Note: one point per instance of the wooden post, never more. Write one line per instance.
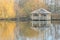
(32, 20)
(39, 20)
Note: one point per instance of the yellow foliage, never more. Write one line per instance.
(35, 4)
(7, 8)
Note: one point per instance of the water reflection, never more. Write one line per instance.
(11, 30)
(7, 30)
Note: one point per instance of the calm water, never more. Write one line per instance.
(10, 30)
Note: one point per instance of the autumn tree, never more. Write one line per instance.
(28, 6)
(7, 8)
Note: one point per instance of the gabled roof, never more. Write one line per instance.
(41, 10)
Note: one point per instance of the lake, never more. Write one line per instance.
(16, 30)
